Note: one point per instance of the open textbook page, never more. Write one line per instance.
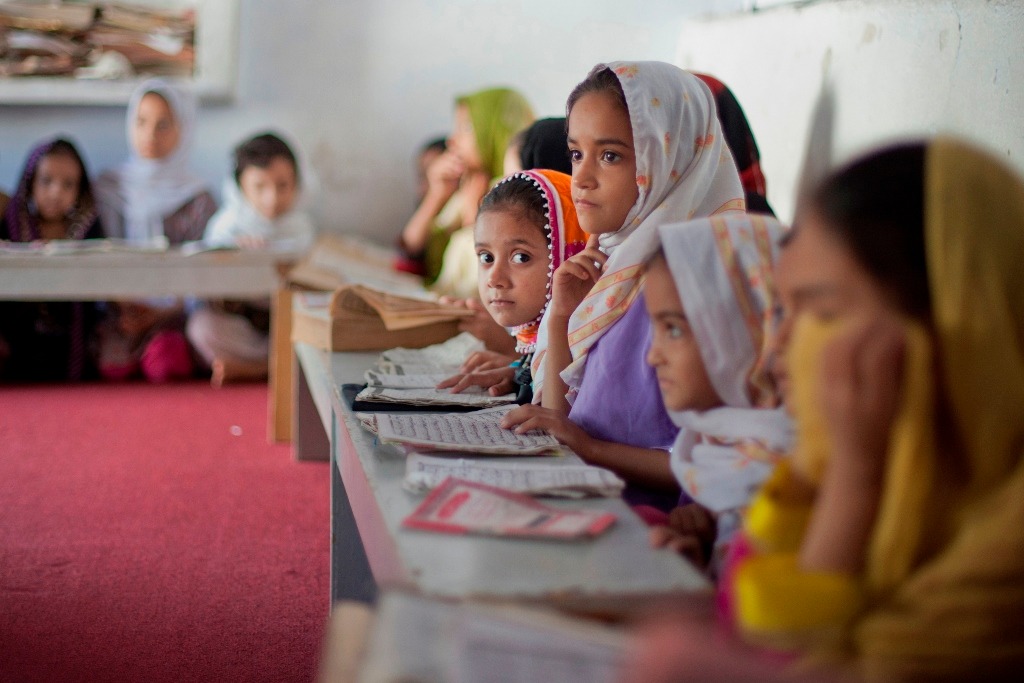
(480, 433)
(416, 638)
(565, 478)
(465, 507)
(433, 397)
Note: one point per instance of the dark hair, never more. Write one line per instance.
(600, 79)
(544, 145)
(62, 147)
(875, 205)
(439, 144)
(260, 151)
(519, 194)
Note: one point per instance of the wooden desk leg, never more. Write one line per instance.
(351, 578)
(309, 439)
(280, 379)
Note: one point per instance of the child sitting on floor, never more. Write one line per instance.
(525, 229)
(53, 201)
(152, 199)
(261, 210)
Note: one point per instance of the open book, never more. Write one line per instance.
(337, 260)
(359, 318)
(479, 433)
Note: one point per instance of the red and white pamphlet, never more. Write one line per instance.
(458, 506)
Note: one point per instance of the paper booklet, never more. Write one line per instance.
(480, 433)
(415, 638)
(561, 479)
(473, 397)
(376, 378)
(465, 507)
(447, 354)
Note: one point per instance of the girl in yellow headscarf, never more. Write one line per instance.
(484, 123)
(894, 540)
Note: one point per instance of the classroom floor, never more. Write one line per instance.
(151, 533)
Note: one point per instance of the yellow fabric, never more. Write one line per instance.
(943, 585)
(959, 610)
(774, 597)
(777, 516)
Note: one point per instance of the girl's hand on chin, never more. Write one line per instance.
(575, 278)
(862, 371)
(444, 173)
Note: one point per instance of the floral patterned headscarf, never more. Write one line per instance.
(684, 170)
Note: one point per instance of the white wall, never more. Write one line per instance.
(830, 79)
(360, 85)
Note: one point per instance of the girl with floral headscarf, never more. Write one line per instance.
(711, 297)
(647, 149)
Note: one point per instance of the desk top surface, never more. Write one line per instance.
(619, 564)
(99, 275)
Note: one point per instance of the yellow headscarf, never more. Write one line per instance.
(942, 593)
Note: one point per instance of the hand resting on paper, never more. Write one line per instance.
(636, 464)
(496, 382)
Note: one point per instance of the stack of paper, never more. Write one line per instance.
(417, 638)
(472, 398)
(401, 380)
(480, 433)
(409, 377)
(529, 476)
(443, 358)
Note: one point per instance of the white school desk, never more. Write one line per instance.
(101, 276)
(125, 274)
(370, 549)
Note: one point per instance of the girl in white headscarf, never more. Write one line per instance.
(710, 295)
(646, 148)
(152, 199)
(154, 196)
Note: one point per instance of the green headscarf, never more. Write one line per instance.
(497, 114)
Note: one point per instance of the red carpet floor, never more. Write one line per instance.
(151, 534)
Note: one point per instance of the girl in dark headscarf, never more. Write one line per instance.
(48, 340)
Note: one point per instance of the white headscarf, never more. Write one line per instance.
(722, 268)
(237, 217)
(684, 169)
(135, 198)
